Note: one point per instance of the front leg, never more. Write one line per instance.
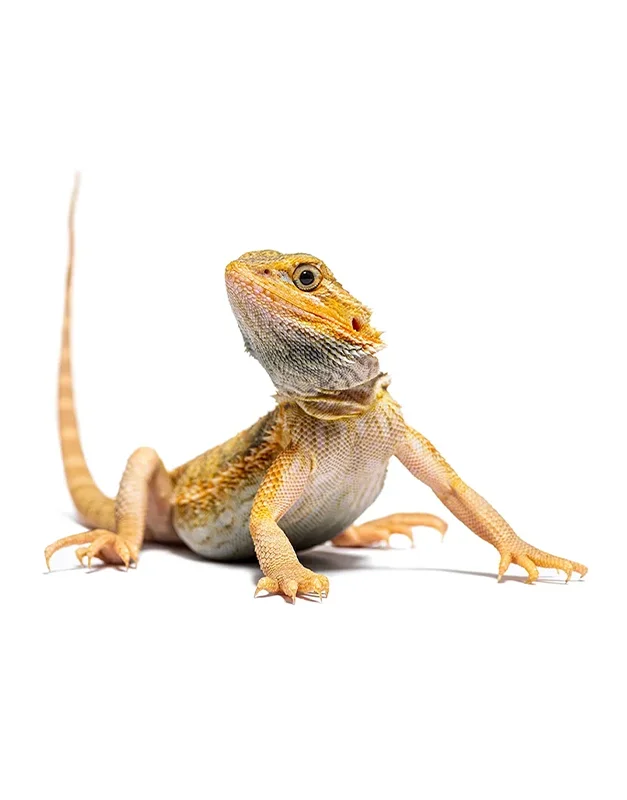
(282, 486)
(423, 460)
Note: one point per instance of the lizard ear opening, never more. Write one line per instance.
(357, 324)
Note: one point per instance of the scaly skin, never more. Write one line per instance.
(302, 474)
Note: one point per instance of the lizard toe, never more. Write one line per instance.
(530, 558)
(299, 581)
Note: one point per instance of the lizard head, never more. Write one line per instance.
(297, 320)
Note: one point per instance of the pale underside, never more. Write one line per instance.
(214, 493)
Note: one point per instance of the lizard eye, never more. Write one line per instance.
(307, 277)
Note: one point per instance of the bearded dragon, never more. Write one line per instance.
(303, 473)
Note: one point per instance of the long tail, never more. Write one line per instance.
(95, 509)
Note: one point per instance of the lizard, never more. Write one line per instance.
(303, 473)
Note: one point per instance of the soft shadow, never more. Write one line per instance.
(287, 600)
(99, 567)
(73, 517)
(324, 558)
(330, 559)
(176, 548)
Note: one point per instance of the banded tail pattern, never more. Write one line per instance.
(95, 509)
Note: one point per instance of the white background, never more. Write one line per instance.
(462, 169)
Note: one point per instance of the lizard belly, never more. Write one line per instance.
(332, 500)
(350, 458)
(225, 536)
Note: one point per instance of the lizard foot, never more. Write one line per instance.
(530, 558)
(105, 545)
(380, 530)
(293, 581)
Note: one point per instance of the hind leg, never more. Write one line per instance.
(380, 530)
(143, 501)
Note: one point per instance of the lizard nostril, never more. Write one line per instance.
(266, 272)
(356, 324)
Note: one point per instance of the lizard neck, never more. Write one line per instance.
(318, 369)
(342, 403)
